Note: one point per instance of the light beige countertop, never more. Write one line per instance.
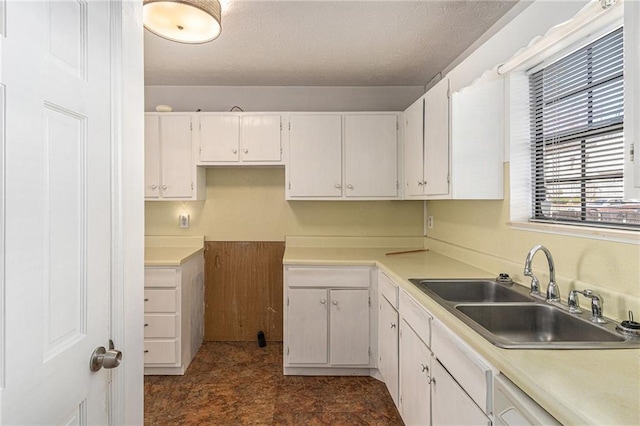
(171, 251)
(600, 387)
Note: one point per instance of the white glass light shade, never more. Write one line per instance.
(184, 21)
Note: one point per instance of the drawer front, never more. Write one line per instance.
(328, 277)
(161, 352)
(160, 277)
(160, 300)
(416, 316)
(388, 289)
(160, 326)
(471, 372)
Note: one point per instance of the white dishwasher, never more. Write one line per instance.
(513, 407)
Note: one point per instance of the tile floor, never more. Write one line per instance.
(238, 383)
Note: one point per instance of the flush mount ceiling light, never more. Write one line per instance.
(184, 21)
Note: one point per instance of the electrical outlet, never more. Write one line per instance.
(430, 222)
(183, 220)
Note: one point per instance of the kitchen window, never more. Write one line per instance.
(577, 141)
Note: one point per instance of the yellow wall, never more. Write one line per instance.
(478, 232)
(248, 204)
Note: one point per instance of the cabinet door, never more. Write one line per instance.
(151, 156)
(436, 139)
(414, 149)
(261, 138)
(388, 347)
(415, 391)
(315, 156)
(371, 155)
(307, 326)
(349, 327)
(219, 137)
(451, 405)
(176, 164)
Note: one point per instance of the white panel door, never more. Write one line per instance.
(371, 155)
(436, 139)
(349, 327)
(451, 405)
(307, 311)
(57, 248)
(388, 347)
(151, 156)
(219, 138)
(177, 165)
(415, 391)
(414, 149)
(315, 156)
(261, 138)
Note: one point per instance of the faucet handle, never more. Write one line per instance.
(597, 303)
(572, 301)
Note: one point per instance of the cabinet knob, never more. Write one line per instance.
(146, 299)
(154, 186)
(246, 151)
(424, 368)
(350, 186)
(146, 325)
(323, 301)
(164, 186)
(424, 182)
(335, 302)
(393, 325)
(431, 380)
(338, 185)
(146, 351)
(235, 151)
(420, 183)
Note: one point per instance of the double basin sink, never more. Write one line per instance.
(508, 317)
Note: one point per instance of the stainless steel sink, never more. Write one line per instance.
(472, 291)
(508, 317)
(536, 325)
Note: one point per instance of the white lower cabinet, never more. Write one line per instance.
(415, 388)
(173, 316)
(388, 329)
(327, 318)
(450, 403)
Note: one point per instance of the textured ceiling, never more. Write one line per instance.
(325, 43)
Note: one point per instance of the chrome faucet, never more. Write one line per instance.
(597, 303)
(553, 293)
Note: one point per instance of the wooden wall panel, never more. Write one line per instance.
(243, 290)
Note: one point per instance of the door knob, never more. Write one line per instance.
(102, 357)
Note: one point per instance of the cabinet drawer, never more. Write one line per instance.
(160, 277)
(388, 289)
(328, 277)
(160, 325)
(160, 300)
(472, 373)
(416, 317)
(161, 352)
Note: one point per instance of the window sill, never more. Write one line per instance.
(603, 234)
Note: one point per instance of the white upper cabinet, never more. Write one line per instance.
(238, 138)
(436, 139)
(371, 155)
(170, 171)
(426, 145)
(343, 156)
(477, 139)
(315, 156)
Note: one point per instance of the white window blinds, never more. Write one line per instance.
(577, 119)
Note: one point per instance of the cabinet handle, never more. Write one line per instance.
(424, 368)
(350, 186)
(323, 301)
(235, 151)
(338, 185)
(335, 302)
(146, 351)
(146, 299)
(154, 186)
(393, 325)
(146, 325)
(246, 151)
(164, 186)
